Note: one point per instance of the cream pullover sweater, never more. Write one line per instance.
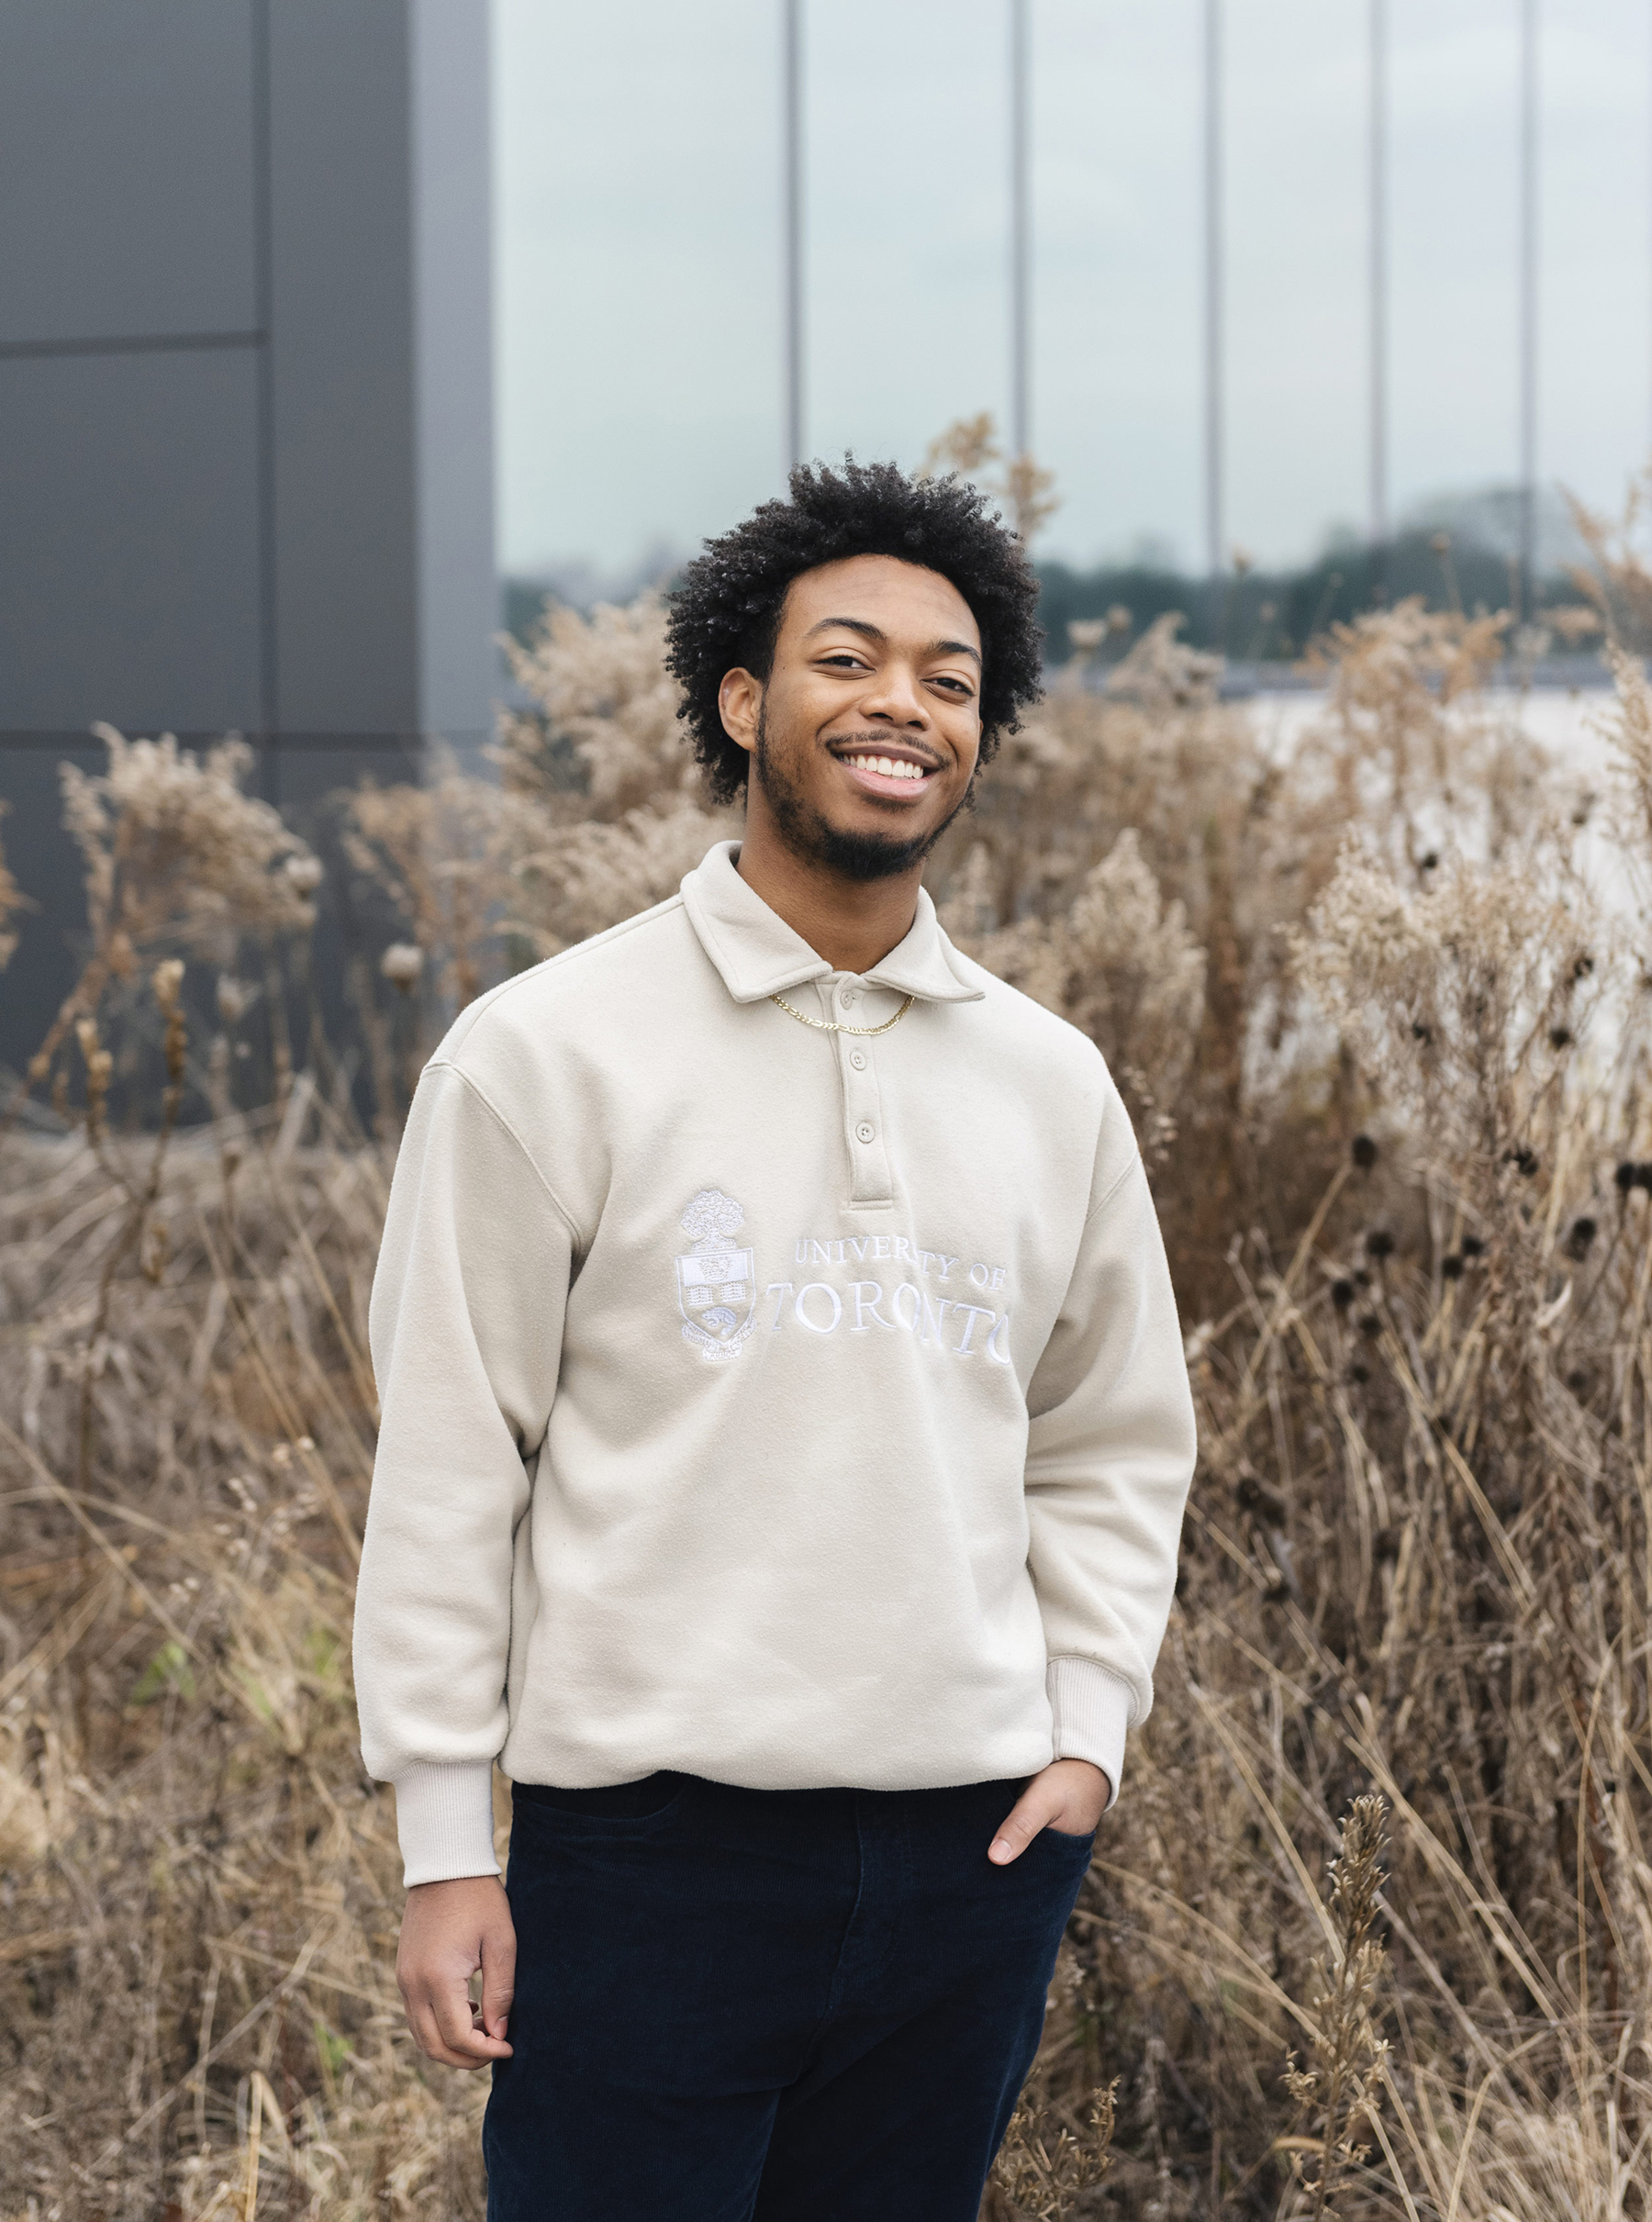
(789, 1407)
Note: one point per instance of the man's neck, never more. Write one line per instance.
(853, 923)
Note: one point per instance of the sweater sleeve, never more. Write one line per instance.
(1110, 1456)
(466, 1325)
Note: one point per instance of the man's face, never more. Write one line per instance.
(865, 737)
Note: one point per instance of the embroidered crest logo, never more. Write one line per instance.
(716, 1282)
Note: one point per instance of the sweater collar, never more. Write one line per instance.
(758, 954)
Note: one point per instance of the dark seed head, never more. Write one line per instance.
(1422, 1033)
(1360, 1374)
(1342, 1294)
(1577, 1381)
(1379, 1242)
(1451, 1267)
(1362, 1280)
(1473, 1246)
(1583, 1232)
(1583, 967)
(1523, 1159)
(1370, 1325)
(1365, 1152)
(1430, 863)
(1625, 1176)
(1559, 1037)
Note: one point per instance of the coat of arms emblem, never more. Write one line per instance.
(716, 1282)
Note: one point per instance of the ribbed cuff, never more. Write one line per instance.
(1089, 1710)
(444, 1818)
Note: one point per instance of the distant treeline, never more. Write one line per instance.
(1259, 615)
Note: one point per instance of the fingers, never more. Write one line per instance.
(467, 2046)
(1032, 1810)
(498, 1978)
(426, 2036)
(444, 2030)
(1068, 1795)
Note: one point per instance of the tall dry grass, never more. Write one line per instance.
(1369, 1932)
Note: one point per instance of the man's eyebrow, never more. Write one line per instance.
(869, 631)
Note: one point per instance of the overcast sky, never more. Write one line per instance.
(638, 168)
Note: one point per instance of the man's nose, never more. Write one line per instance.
(895, 695)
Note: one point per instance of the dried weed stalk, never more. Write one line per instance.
(1341, 2088)
(1044, 2162)
(970, 447)
(1616, 580)
(12, 901)
(174, 853)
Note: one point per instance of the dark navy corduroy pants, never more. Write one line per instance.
(761, 2005)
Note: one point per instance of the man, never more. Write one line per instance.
(784, 1441)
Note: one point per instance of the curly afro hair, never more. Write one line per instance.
(726, 614)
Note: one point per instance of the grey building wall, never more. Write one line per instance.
(246, 466)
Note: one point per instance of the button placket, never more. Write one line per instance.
(870, 1180)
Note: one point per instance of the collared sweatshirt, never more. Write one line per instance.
(792, 1407)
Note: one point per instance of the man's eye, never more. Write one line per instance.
(845, 658)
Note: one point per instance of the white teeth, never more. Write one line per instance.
(891, 767)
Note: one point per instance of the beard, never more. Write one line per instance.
(812, 837)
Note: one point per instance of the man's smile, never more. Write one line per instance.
(892, 770)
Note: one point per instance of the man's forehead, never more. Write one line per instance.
(876, 588)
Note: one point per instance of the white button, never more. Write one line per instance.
(864, 1132)
(847, 998)
(857, 1058)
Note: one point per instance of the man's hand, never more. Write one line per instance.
(1070, 1795)
(448, 1931)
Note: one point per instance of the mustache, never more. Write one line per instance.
(877, 744)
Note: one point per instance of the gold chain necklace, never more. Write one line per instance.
(834, 1025)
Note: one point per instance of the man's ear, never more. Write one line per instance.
(740, 703)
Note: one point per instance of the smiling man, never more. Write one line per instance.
(784, 1447)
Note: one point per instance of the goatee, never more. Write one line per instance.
(810, 836)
